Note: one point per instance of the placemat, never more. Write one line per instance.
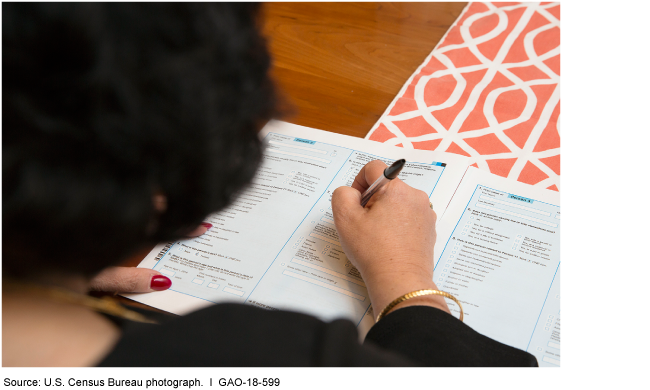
(490, 90)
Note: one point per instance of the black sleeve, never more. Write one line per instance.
(435, 338)
(231, 335)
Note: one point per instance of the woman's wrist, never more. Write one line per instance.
(435, 301)
(384, 290)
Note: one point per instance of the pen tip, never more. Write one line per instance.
(394, 170)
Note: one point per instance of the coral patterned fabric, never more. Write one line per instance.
(490, 90)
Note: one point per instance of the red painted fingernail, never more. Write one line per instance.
(207, 225)
(160, 283)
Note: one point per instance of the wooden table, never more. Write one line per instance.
(339, 65)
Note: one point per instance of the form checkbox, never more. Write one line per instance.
(167, 272)
(551, 360)
(233, 291)
(198, 281)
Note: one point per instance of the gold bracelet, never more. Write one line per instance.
(418, 293)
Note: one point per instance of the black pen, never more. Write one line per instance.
(389, 174)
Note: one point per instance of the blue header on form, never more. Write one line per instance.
(304, 141)
(520, 198)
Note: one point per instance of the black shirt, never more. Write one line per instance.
(245, 336)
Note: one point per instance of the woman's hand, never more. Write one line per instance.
(136, 280)
(391, 240)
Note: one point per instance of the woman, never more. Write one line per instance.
(125, 125)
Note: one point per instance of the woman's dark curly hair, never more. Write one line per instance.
(105, 105)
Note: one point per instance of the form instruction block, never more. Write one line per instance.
(323, 284)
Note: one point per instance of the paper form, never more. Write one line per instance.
(276, 246)
(498, 253)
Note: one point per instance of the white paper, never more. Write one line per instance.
(276, 246)
(498, 253)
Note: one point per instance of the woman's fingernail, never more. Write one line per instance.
(159, 283)
(207, 225)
